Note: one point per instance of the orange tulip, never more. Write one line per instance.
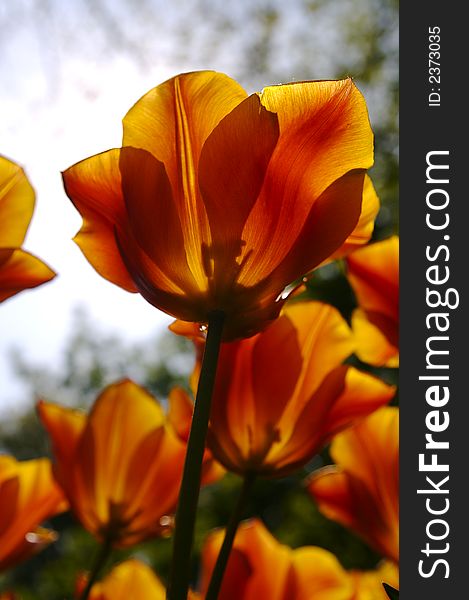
(28, 496)
(120, 467)
(260, 567)
(131, 579)
(281, 395)
(366, 223)
(218, 200)
(362, 491)
(373, 272)
(19, 270)
(369, 584)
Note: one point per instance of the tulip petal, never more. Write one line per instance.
(316, 573)
(123, 413)
(122, 466)
(10, 490)
(29, 496)
(152, 123)
(330, 487)
(364, 228)
(324, 134)
(172, 122)
(238, 570)
(149, 471)
(344, 396)
(260, 567)
(94, 186)
(363, 491)
(372, 345)
(129, 579)
(241, 144)
(17, 201)
(20, 270)
(373, 272)
(180, 409)
(363, 394)
(325, 339)
(268, 563)
(264, 384)
(330, 221)
(149, 202)
(64, 426)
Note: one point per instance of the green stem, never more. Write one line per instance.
(101, 558)
(230, 533)
(190, 485)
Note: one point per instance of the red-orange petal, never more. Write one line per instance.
(29, 496)
(20, 270)
(172, 122)
(94, 186)
(365, 226)
(363, 491)
(242, 143)
(257, 568)
(264, 383)
(316, 573)
(373, 272)
(344, 396)
(326, 120)
(149, 202)
(373, 346)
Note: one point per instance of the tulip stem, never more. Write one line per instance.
(101, 559)
(230, 533)
(189, 493)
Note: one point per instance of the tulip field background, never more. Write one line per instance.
(68, 74)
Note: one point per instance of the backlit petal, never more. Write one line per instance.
(16, 204)
(149, 202)
(324, 134)
(373, 272)
(172, 122)
(372, 345)
(241, 144)
(20, 270)
(344, 396)
(266, 416)
(120, 466)
(129, 579)
(317, 574)
(29, 496)
(123, 414)
(364, 228)
(363, 491)
(155, 123)
(258, 567)
(94, 186)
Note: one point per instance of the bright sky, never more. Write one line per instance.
(46, 135)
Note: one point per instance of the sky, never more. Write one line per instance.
(45, 134)
(69, 73)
